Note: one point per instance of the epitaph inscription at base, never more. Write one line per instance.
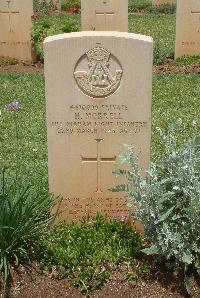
(15, 28)
(98, 98)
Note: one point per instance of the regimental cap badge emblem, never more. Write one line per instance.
(103, 75)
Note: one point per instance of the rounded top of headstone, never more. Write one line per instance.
(134, 36)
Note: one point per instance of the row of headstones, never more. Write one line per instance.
(57, 3)
(15, 24)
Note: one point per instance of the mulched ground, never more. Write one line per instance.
(23, 68)
(165, 68)
(162, 284)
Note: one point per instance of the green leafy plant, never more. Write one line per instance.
(45, 26)
(187, 60)
(133, 5)
(163, 8)
(24, 214)
(161, 53)
(167, 200)
(88, 251)
(68, 4)
(139, 5)
(42, 6)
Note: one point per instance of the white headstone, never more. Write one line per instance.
(15, 28)
(98, 97)
(187, 28)
(104, 15)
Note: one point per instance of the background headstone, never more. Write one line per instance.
(187, 28)
(159, 2)
(98, 97)
(104, 15)
(56, 3)
(15, 28)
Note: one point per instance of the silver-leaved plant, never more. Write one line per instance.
(167, 200)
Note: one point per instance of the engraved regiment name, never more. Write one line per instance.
(99, 81)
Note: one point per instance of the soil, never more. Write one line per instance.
(162, 284)
(23, 68)
(166, 68)
(39, 68)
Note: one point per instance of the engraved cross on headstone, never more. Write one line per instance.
(99, 160)
(105, 14)
(195, 12)
(10, 13)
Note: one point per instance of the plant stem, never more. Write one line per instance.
(16, 145)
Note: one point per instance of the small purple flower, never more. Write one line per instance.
(123, 218)
(12, 106)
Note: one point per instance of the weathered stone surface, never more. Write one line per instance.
(104, 15)
(15, 28)
(187, 28)
(98, 97)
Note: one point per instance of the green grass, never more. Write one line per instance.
(66, 4)
(161, 28)
(24, 217)
(51, 25)
(90, 251)
(133, 5)
(28, 89)
(162, 8)
(187, 60)
(139, 5)
(174, 96)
